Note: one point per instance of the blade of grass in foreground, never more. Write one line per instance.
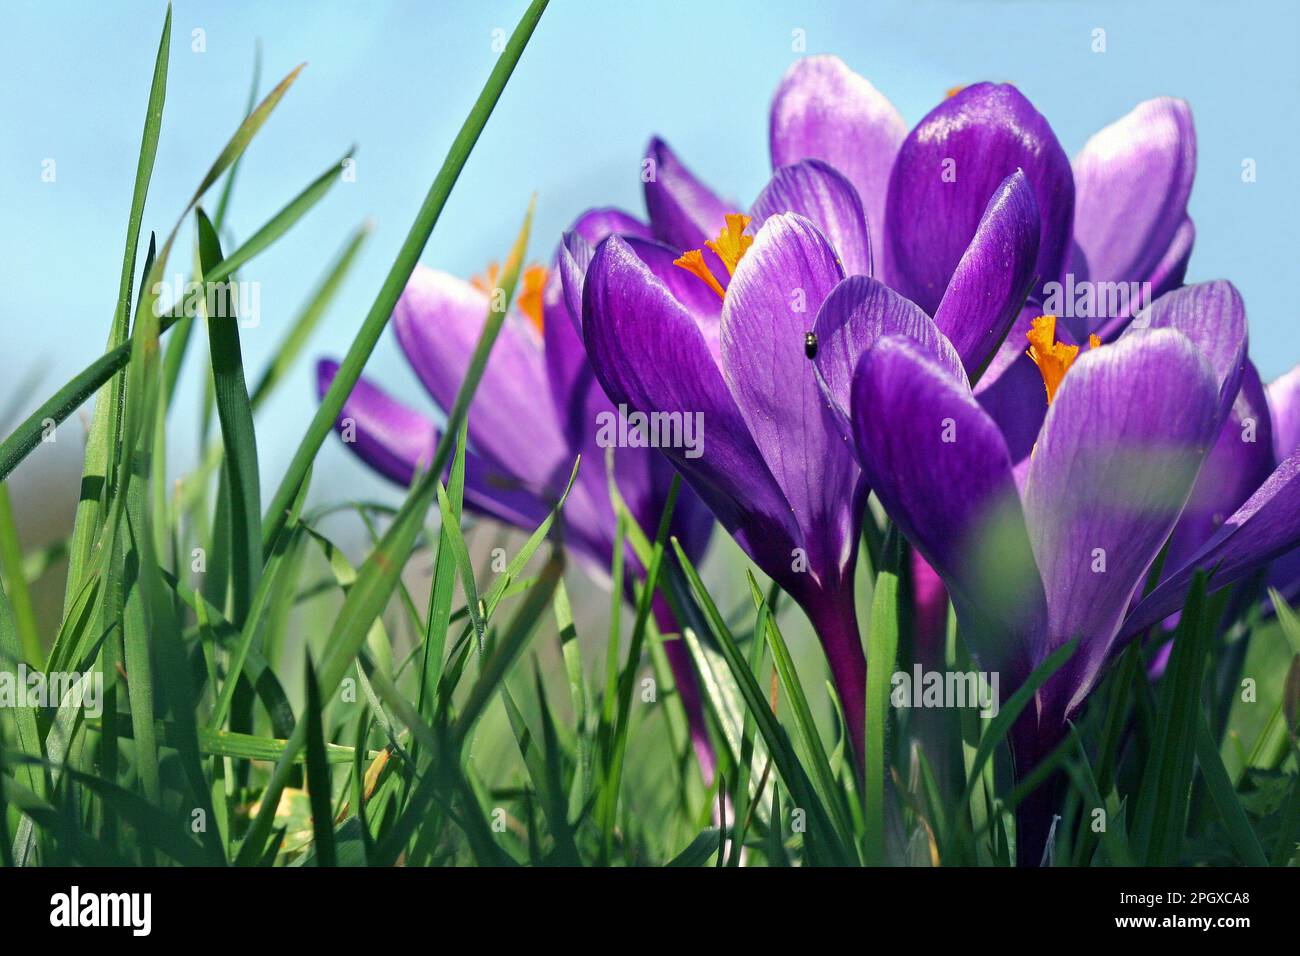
(103, 431)
(828, 843)
(236, 417)
(377, 318)
(318, 775)
(882, 649)
(11, 559)
(1161, 816)
(378, 576)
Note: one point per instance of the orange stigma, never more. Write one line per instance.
(730, 246)
(530, 296)
(693, 262)
(530, 299)
(732, 243)
(1053, 358)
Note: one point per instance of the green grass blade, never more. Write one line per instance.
(838, 846)
(1215, 775)
(236, 417)
(11, 560)
(377, 318)
(103, 432)
(1161, 815)
(378, 575)
(1000, 725)
(882, 651)
(804, 724)
(318, 775)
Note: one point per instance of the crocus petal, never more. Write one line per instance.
(1132, 182)
(858, 313)
(788, 271)
(1213, 317)
(565, 355)
(940, 469)
(822, 194)
(397, 441)
(1167, 276)
(387, 435)
(1011, 388)
(1115, 461)
(1267, 526)
(683, 211)
(994, 275)
(1284, 409)
(823, 110)
(1241, 461)
(946, 171)
(650, 355)
(438, 321)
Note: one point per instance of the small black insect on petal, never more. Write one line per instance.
(810, 344)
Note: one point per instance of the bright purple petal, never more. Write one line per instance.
(939, 466)
(823, 110)
(438, 321)
(683, 211)
(651, 356)
(770, 306)
(1116, 459)
(1213, 317)
(1241, 461)
(994, 275)
(1284, 408)
(822, 194)
(1266, 527)
(946, 171)
(1132, 182)
(397, 441)
(858, 313)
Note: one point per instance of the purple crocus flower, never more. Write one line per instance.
(536, 409)
(1114, 220)
(723, 327)
(1060, 551)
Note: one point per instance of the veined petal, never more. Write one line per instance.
(858, 313)
(1132, 182)
(946, 171)
(770, 306)
(1011, 388)
(1118, 454)
(995, 273)
(1266, 527)
(1167, 276)
(1240, 461)
(1213, 317)
(396, 441)
(823, 110)
(651, 356)
(1284, 408)
(683, 211)
(438, 321)
(389, 436)
(939, 466)
(822, 194)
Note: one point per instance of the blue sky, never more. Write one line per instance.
(397, 79)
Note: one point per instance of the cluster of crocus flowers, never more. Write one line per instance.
(878, 321)
(533, 415)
